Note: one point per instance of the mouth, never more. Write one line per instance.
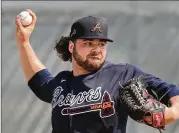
(95, 57)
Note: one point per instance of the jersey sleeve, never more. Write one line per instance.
(42, 85)
(162, 89)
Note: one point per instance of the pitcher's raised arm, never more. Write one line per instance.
(28, 59)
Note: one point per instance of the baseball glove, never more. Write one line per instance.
(140, 105)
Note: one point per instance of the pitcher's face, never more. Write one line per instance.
(90, 54)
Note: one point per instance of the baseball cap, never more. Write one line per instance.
(90, 27)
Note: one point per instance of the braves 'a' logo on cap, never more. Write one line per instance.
(97, 28)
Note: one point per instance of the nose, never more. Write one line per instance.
(96, 49)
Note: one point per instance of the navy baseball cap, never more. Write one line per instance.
(90, 28)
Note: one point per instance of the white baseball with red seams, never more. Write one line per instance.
(25, 17)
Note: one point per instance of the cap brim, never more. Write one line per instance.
(95, 37)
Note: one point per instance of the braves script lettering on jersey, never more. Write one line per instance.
(70, 99)
(90, 103)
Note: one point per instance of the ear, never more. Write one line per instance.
(71, 46)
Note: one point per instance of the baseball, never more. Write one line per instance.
(25, 17)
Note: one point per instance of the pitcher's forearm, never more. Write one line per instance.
(175, 105)
(172, 113)
(29, 61)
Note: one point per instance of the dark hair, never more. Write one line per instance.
(61, 47)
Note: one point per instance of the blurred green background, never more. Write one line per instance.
(145, 34)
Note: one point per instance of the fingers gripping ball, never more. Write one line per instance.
(25, 18)
(139, 104)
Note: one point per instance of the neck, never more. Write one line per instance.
(77, 70)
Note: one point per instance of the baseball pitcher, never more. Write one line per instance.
(96, 96)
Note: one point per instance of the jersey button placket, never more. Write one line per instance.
(70, 116)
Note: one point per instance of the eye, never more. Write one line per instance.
(88, 44)
(102, 44)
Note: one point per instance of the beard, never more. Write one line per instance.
(91, 63)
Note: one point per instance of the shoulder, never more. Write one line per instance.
(120, 67)
(125, 70)
(63, 74)
(115, 67)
